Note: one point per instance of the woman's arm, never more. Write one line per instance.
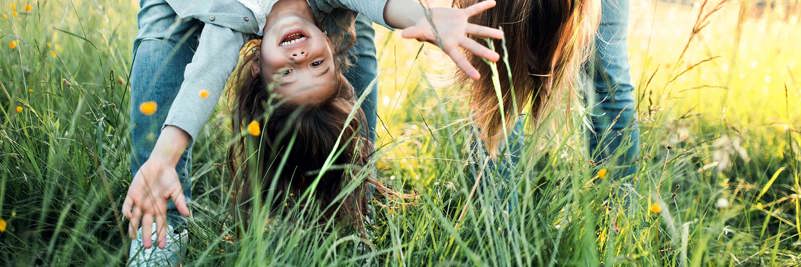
(450, 29)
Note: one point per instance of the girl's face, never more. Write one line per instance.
(297, 57)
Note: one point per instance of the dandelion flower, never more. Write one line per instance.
(3, 225)
(148, 108)
(53, 53)
(204, 93)
(254, 129)
(19, 109)
(28, 8)
(602, 173)
(12, 44)
(655, 208)
(722, 203)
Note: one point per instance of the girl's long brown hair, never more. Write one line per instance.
(305, 135)
(546, 42)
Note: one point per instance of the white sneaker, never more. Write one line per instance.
(171, 255)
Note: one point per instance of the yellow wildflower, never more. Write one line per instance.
(655, 208)
(3, 225)
(13, 8)
(204, 93)
(12, 44)
(148, 108)
(19, 109)
(602, 173)
(53, 53)
(28, 8)
(254, 129)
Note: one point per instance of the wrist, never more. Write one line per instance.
(170, 145)
(400, 14)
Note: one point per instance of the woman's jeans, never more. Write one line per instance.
(165, 45)
(612, 103)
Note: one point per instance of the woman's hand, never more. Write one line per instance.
(153, 185)
(450, 32)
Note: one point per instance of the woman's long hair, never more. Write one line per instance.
(546, 42)
(302, 135)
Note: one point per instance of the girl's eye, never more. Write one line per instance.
(317, 63)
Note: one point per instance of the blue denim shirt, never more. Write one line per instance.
(228, 25)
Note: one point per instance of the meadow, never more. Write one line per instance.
(719, 181)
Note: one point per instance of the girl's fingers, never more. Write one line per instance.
(479, 7)
(147, 230)
(180, 202)
(126, 207)
(484, 32)
(161, 224)
(479, 50)
(462, 62)
(135, 219)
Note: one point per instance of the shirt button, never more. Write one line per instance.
(212, 18)
(246, 19)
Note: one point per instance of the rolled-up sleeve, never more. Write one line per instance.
(215, 58)
(372, 9)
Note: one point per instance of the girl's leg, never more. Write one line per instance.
(362, 75)
(162, 49)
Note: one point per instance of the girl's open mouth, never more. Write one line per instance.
(293, 38)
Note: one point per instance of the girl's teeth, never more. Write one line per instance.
(284, 43)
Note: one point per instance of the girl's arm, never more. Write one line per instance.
(156, 181)
(450, 29)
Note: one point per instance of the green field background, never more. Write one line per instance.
(719, 182)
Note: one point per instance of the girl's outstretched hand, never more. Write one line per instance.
(450, 32)
(154, 184)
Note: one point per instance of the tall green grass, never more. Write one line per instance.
(64, 158)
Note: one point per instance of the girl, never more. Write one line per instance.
(301, 67)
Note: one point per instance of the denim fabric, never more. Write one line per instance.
(362, 75)
(498, 174)
(162, 49)
(614, 120)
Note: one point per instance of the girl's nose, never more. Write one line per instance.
(298, 55)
